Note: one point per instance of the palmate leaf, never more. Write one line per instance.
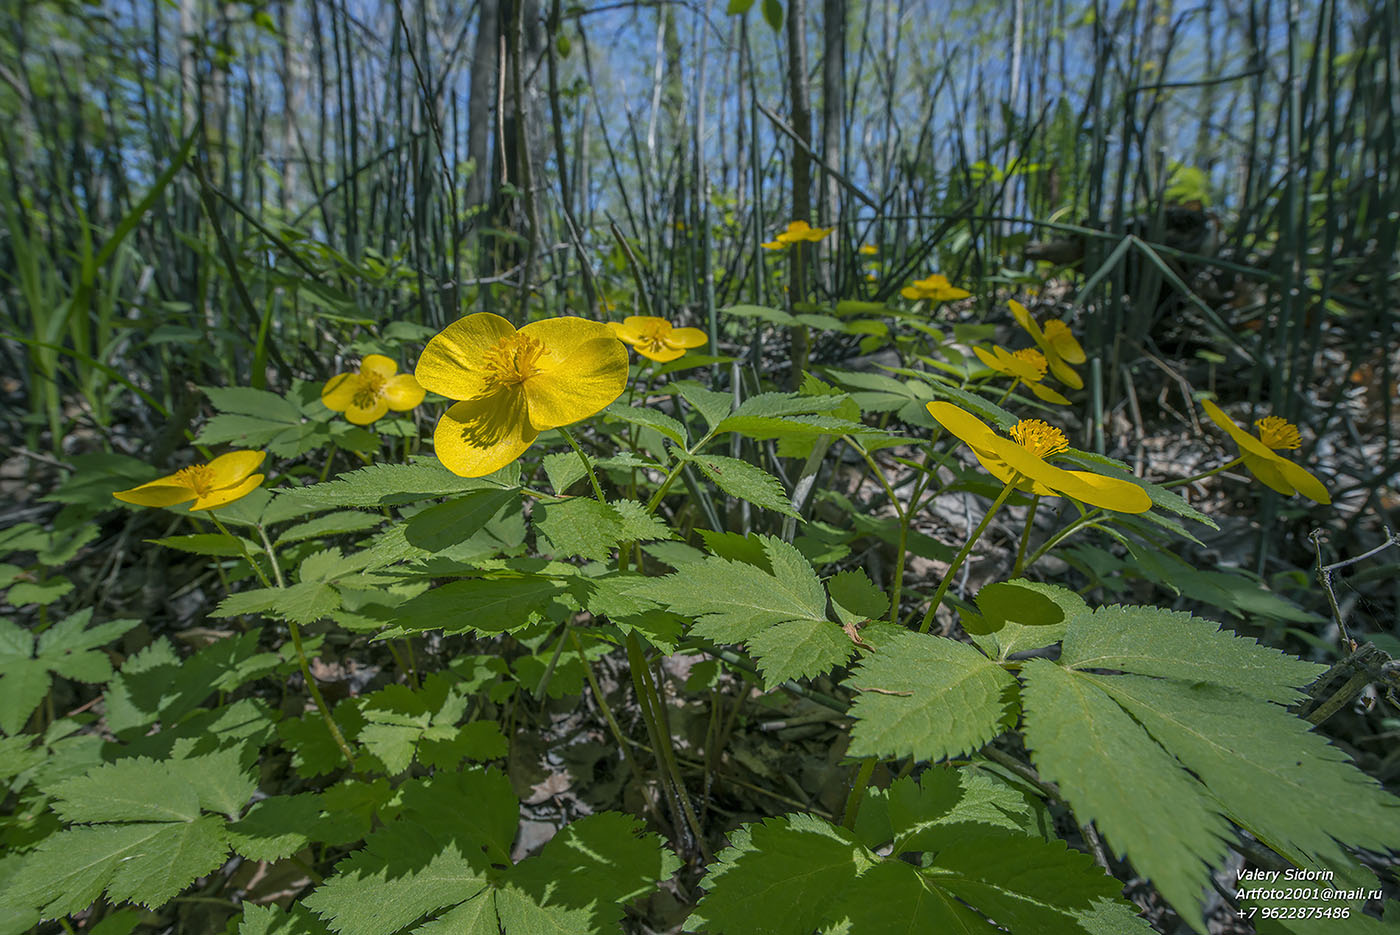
(447, 852)
(797, 874)
(927, 697)
(780, 616)
(1160, 763)
(68, 649)
(148, 841)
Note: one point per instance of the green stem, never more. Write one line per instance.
(650, 704)
(613, 726)
(1088, 519)
(962, 556)
(587, 464)
(857, 793)
(1025, 537)
(1204, 474)
(247, 557)
(302, 661)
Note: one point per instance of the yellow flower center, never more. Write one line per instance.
(369, 386)
(513, 360)
(1038, 437)
(1277, 432)
(653, 336)
(197, 477)
(1029, 355)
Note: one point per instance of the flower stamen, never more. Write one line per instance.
(1277, 432)
(513, 360)
(1038, 437)
(197, 477)
(1030, 355)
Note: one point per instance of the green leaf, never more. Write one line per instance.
(651, 418)
(927, 815)
(737, 602)
(564, 469)
(68, 648)
(486, 605)
(446, 524)
(739, 8)
(277, 827)
(332, 524)
(927, 697)
(144, 863)
(129, 790)
(712, 406)
(1171, 644)
(1027, 603)
(245, 400)
(761, 312)
(270, 920)
(388, 484)
(579, 526)
(856, 598)
(746, 482)
(207, 543)
(1270, 773)
(1114, 774)
(778, 876)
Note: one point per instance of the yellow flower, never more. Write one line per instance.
(935, 288)
(654, 338)
(796, 232)
(1275, 471)
(373, 390)
(1025, 366)
(1055, 342)
(515, 384)
(1020, 460)
(868, 249)
(221, 481)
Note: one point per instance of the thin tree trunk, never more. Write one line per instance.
(801, 117)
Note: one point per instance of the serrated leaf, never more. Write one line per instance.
(855, 597)
(245, 400)
(143, 863)
(800, 649)
(388, 484)
(650, 418)
(564, 469)
(446, 524)
(136, 789)
(270, 920)
(1171, 644)
(332, 524)
(927, 697)
(638, 525)
(778, 876)
(894, 897)
(487, 605)
(276, 827)
(712, 406)
(919, 816)
(1270, 773)
(579, 526)
(214, 544)
(220, 780)
(1114, 774)
(746, 482)
(401, 875)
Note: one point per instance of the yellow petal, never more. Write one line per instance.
(1308, 485)
(909, 292)
(229, 469)
(585, 382)
(638, 328)
(227, 494)
(1014, 366)
(1047, 394)
(1006, 474)
(156, 493)
(1110, 493)
(989, 359)
(968, 428)
(1024, 319)
(364, 415)
(1062, 371)
(953, 292)
(451, 364)
(478, 436)
(378, 365)
(1266, 469)
(403, 392)
(687, 337)
(339, 391)
(562, 337)
(1059, 336)
(1249, 445)
(773, 245)
(868, 249)
(661, 354)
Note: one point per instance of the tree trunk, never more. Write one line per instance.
(801, 117)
